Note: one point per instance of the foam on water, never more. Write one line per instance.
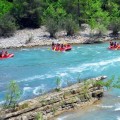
(117, 109)
(25, 49)
(40, 77)
(94, 65)
(2, 102)
(62, 118)
(62, 74)
(43, 50)
(35, 90)
(118, 117)
(105, 106)
(39, 90)
(26, 90)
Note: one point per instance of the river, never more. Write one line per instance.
(36, 71)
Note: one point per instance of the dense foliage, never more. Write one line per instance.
(56, 15)
(7, 25)
(5, 7)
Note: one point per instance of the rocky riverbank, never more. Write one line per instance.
(51, 104)
(39, 37)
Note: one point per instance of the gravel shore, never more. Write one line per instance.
(39, 37)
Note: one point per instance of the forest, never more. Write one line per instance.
(57, 15)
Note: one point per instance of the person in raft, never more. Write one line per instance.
(114, 45)
(111, 43)
(53, 44)
(6, 54)
(3, 54)
(59, 47)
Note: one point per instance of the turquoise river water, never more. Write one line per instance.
(36, 70)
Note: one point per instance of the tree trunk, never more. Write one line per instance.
(52, 35)
(70, 33)
(79, 13)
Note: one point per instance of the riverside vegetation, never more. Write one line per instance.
(56, 102)
(57, 15)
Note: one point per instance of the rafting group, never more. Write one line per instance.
(61, 47)
(114, 46)
(5, 54)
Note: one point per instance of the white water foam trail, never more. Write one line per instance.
(117, 107)
(62, 74)
(39, 90)
(37, 77)
(105, 106)
(45, 76)
(2, 102)
(118, 118)
(35, 90)
(62, 118)
(43, 50)
(24, 50)
(83, 67)
(27, 90)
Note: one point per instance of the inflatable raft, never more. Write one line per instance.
(7, 56)
(67, 48)
(114, 48)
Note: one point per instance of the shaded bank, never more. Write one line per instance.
(55, 103)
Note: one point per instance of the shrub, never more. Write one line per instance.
(7, 26)
(39, 116)
(58, 83)
(70, 26)
(12, 96)
(52, 27)
(27, 13)
(23, 106)
(52, 17)
(115, 26)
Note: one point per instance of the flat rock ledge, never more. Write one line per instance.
(54, 103)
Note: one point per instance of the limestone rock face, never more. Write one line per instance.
(54, 103)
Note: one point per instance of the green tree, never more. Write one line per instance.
(74, 7)
(95, 16)
(7, 26)
(5, 7)
(52, 27)
(12, 96)
(27, 13)
(113, 8)
(52, 17)
(115, 18)
(70, 25)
